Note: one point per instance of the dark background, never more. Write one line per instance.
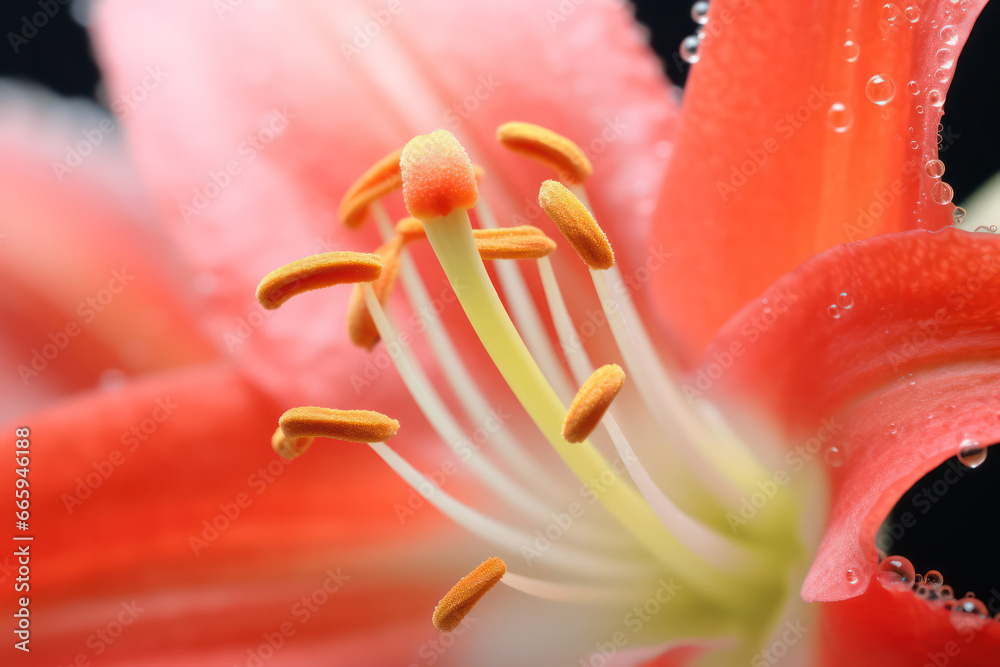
(955, 535)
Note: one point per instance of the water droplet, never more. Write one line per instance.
(839, 117)
(958, 215)
(834, 457)
(946, 592)
(912, 14)
(851, 576)
(914, 145)
(942, 193)
(934, 168)
(949, 35)
(919, 109)
(833, 311)
(942, 75)
(851, 50)
(689, 49)
(971, 454)
(845, 300)
(933, 580)
(935, 98)
(896, 572)
(890, 12)
(912, 88)
(964, 5)
(894, 429)
(699, 12)
(880, 89)
(944, 58)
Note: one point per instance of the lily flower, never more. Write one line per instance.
(732, 334)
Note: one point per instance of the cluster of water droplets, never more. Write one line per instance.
(898, 573)
(844, 302)
(690, 44)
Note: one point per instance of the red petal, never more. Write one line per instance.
(87, 287)
(901, 378)
(883, 627)
(195, 88)
(759, 181)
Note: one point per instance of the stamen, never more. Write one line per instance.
(560, 592)
(437, 176)
(349, 425)
(547, 147)
(289, 448)
(316, 271)
(381, 179)
(464, 595)
(592, 401)
(577, 224)
(523, 242)
(360, 326)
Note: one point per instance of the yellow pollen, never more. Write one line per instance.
(592, 401)
(547, 147)
(381, 179)
(437, 176)
(316, 271)
(360, 326)
(349, 425)
(524, 242)
(464, 595)
(577, 224)
(289, 448)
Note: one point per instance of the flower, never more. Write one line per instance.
(246, 150)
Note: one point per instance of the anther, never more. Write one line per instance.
(349, 425)
(577, 224)
(410, 229)
(547, 147)
(591, 402)
(437, 176)
(381, 179)
(464, 595)
(316, 271)
(360, 326)
(524, 242)
(289, 448)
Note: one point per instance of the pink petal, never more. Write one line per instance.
(760, 180)
(896, 377)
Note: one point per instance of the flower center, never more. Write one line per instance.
(626, 531)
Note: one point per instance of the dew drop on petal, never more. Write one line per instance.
(689, 49)
(933, 580)
(851, 50)
(945, 58)
(851, 576)
(833, 311)
(699, 12)
(946, 592)
(958, 215)
(935, 98)
(914, 145)
(912, 14)
(845, 300)
(912, 88)
(834, 457)
(839, 117)
(890, 12)
(942, 193)
(918, 109)
(880, 89)
(896, 572)
(971, 454)
(934, 168)
(949, 35)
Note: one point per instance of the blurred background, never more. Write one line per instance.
(953, 536)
